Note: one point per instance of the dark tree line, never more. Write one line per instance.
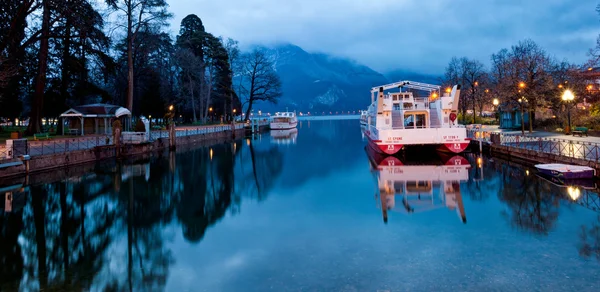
(55, 54)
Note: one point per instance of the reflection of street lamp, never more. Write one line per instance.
(574, 193)
(568, 97)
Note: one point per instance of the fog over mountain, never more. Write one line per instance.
(319, 82)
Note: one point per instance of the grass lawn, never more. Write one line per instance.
(5, 134)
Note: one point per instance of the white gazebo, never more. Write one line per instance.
(93, 118)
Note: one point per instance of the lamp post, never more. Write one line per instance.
(568, 97)
(495, 102)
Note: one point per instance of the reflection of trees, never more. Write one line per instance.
(59, 237)
(266, 166)
(11, 258)
(481, 183)
(590, 240)
(207, 192)
(69, 229)
(532, 205)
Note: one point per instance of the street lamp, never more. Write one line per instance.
(495, 102)
(171, 107)
(568, 97)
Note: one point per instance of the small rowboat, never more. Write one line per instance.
(566, 171)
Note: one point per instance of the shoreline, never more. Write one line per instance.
(61, 164)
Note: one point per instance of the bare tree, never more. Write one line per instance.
(470, 74)
(140, 14)
(261, 82)
(474, 75)
(521, 77)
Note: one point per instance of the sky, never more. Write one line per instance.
(413, 35)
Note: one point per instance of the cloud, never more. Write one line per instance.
(417, 35)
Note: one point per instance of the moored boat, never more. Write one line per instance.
(397, 120)
(566, 171)
(283, 121)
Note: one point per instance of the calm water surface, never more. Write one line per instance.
(316, 212)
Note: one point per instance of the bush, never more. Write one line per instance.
(139, 126)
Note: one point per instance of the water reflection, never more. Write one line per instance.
(287, 136)
(238, 216)
(420, 186)
(106, 229)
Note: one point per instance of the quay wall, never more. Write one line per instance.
(45, 163)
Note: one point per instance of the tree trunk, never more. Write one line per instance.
(192, 95)
(248, 110)
(474, 104)
(530, 120)
(208, 92)
(522, 121)
(65, 76)
(129, 63)
(35, 119)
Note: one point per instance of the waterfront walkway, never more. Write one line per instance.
(586, 148)
(67, 144)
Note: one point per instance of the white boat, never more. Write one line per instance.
(419, 188)
(401, 119)
(283, 120)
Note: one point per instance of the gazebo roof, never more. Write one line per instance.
(96, 110)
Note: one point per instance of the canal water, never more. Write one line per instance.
(313, 210)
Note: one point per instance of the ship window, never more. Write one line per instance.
(409, 121)
(420, 121)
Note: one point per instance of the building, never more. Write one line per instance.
(93, 118)
(510, 116)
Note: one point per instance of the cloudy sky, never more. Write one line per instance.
(415, 35)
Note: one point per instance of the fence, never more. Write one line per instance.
(45, 147)
(563, 147)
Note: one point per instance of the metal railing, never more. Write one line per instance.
(45, 147)
(568, 148)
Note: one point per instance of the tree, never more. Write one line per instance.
(260, 81)
(594, 53)
(233, 52)
(140, 15)
(37, 106)
(218, 73)
(470, 74)
(521, 77)
(190, 66)
(190, 57)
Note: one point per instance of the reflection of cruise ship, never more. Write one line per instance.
(284, 136)
(419, 188)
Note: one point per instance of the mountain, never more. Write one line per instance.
(319, 82)
(398, 75)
